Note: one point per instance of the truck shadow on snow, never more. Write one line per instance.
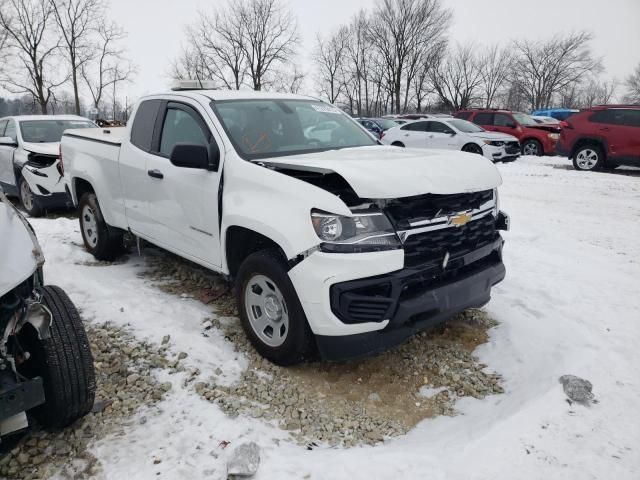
(347, 403)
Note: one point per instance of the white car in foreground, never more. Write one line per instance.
(29, 164)
(336, 244)
(454, 134)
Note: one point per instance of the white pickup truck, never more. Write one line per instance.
(337, 245)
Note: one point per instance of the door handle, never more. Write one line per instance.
(155, 173)
(406, 134)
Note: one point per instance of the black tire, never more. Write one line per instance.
(532, 147)
(398, 144)
(589, 157)
(472, 148)
(298, 343)
(108, 242)
(63, 360)
(28, 199)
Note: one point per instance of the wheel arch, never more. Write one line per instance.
(240, 242)
(80, 186)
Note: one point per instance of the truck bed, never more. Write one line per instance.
(104, 135)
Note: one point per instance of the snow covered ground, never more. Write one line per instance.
(570, 305)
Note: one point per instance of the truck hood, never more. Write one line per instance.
(504, 137)
(42, 148)
(380, 172)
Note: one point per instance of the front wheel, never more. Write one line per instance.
(28, 199)
(100, 240)
(63, 361)
(588, 157)
(532, 147)
(398, 144)
(270, 311)
(472, 148)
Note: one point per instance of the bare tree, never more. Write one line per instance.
(269, 36)
(596, 92)
(544, 68)
(32, 46)
(288, 79)
(632, 85)
(399, 29)
(217, 43)
(77, 21)
(495, 70)
(329, 57)
(457, 79)
(108, 65)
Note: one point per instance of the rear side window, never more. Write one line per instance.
(416, 126)
(602, 116)
(181, 125)
(624, 117)
(631, 118)
(463, 115)
(10, 131)
(483, 119)
(143, 123)
(3, 124)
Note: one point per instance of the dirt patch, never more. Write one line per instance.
(346, 403)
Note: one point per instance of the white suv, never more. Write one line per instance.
(335, 243)
(29, 164)
(454, 134)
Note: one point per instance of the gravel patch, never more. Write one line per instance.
(351, 403)
(125, 382)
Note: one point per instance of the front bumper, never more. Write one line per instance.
(499, 154)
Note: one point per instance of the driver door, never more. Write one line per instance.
(441, 136)
(414, 134)
(183, 202)
(7, 177)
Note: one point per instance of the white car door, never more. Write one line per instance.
(440, 135)
(7, 177)
(183, 202)
(414, 134)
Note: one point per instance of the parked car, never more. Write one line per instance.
(29, 165)
(376, 125)
(602, 136)
(534, 138)
(454, 134)
(557, 113)
(346, 246)
(543, 120)
(322, 131)
(46, 368)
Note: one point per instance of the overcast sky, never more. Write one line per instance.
(156, 28)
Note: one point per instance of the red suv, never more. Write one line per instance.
(603, 136)
(535, 138)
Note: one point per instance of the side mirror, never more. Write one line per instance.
(8, 142)
(190, 155)
(452, 133)
(213, 156)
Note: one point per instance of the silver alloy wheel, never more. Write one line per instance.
(26, 196)
(530, 148)
(89, 226)
(266, 310)
(587, 159)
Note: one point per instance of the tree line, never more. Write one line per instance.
(49, 46)
(395, 57)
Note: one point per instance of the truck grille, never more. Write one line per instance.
(432, 245)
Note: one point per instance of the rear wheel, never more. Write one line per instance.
(472, 148)
(100, 240)
(588, 157)
(28, 199)
(398, 144)
(270, 311)
(532, 147)
(63, 361)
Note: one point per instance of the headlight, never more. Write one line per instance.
(362, 232)
(494, 143)
(554, 136)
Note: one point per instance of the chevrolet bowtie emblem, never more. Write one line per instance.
(460, 219)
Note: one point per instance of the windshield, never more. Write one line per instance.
(465, 127)
(385, 124)
(273, 128)
(49, 131)
(524, 119)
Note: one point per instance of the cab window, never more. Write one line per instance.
(439, 127)
(143, 122)
(483, 119)
(503, 120)
(3, 124)
(182, 125)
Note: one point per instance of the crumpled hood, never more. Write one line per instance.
(505, 137)
(43, 148)
(379, 172)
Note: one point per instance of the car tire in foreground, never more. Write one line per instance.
(100, 240)
(532, 147)
(270, 311)
(588, 157)
(28, 199)
(63, 361)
